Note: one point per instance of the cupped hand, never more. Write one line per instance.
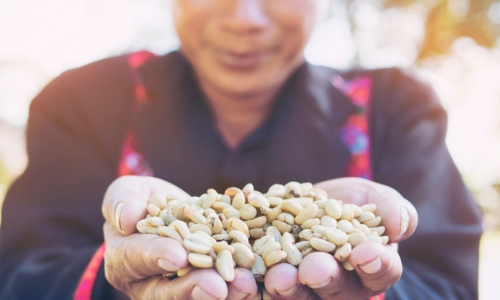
(134, 263)
(376, 267)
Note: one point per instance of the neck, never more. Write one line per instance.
(238, 116)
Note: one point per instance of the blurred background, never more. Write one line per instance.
(452, 44)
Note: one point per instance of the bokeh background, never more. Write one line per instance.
(452, 44)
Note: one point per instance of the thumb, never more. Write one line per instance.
(201, 284)
(125, 201)
(399, 216)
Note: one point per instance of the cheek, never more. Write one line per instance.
(297, 15)
(296, 20)
(191, 17)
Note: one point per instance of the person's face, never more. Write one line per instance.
(244, 47)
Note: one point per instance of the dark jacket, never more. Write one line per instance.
(51, 218)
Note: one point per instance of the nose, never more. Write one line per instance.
(245, 16)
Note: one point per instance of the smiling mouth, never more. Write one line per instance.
(241, 60)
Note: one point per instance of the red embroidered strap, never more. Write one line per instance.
(378, 297)
(135, 61)
(84, 290)
(356, 132)
(132, 162)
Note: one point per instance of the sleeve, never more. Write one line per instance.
(440, 260)
(51, 217)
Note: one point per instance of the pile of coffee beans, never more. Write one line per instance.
(246, 228)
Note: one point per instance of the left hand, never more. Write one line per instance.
(377, 266)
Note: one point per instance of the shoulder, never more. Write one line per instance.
(395, 91)
(386, 80)
(93, 102)
(103, 88)
(396, 87)
(91, 86)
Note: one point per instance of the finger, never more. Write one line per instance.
(398, 215)
(141, 256)
(125, 201)
(199, 284)
(377, 266)
(327, 279)
(243, 286)
(282, 282)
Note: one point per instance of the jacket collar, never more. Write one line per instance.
(327, 100)
(164, 79)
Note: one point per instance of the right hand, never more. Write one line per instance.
(134, 263)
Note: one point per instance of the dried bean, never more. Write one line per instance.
(270, 247)
(274, 258)
(274, 232)
(242, 255)
(219, 246)
(308, 224)
(371, 207)
(333, 208)
(238, 200)
(169, 232)
(257, 222)
(158, 200)
(257, 233)
(200, 227)
(248, 212)
(307, 213)
(201, 261)
(374, 222)
(282, 226)
(322, 245)
(224, 265)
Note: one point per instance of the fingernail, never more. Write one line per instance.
(118, 213)
(199, 293)
(405, 219)
(289, 292)
(167, 265)
(323, 284)
(372, 267)
(234, 293)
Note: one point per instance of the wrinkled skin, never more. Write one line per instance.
(377, 267)
(134, 262)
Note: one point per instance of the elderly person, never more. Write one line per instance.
(236, 104)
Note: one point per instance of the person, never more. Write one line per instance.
(237, 104)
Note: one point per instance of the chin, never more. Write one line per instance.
(242, 87)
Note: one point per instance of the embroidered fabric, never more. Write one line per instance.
(131, 162)
(356, 132)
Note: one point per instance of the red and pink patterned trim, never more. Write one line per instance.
(84, 290)
(131, 162)
(135, 61)
(356, 132)
(378, 297)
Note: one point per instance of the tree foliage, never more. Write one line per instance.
(448, 20)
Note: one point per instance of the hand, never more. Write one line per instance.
(377, 267)
(134, 263)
